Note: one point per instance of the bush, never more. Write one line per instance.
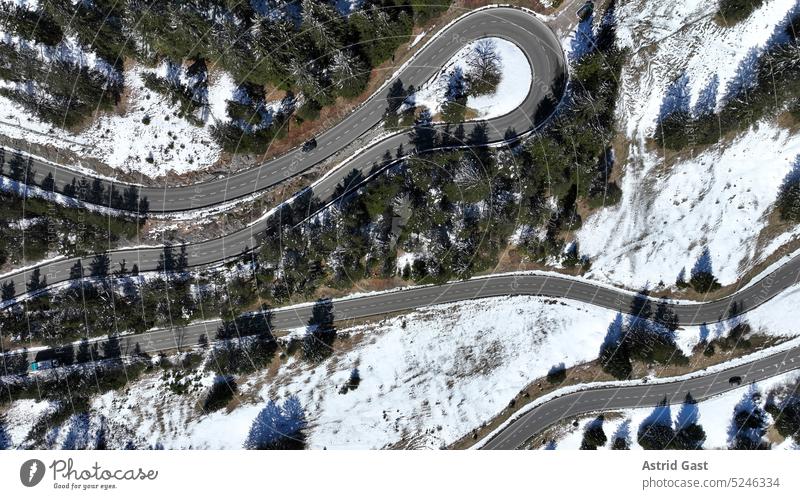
(557, 374)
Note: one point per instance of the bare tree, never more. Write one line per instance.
(484, 68)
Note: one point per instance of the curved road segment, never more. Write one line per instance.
(521, 432)
(351, 309)
(535, 39)
(543, 50)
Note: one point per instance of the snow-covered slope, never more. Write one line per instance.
(719, 200)
(515, 82)
(427, 378)
(681, 38)
(722, 197)
(714, 415)
(148, 137)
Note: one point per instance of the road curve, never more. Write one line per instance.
(549, 285)
(532, 423)
(535, 39)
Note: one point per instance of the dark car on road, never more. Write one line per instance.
(586, 11)
(309, 145)
(735, 380)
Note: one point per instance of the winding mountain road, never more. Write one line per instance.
(535, 39)
(549, 285)
(521, 431)
(543, 50)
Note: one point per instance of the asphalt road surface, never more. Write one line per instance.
(543, 50)
(523, 430)
(535, 39)
(351, 309)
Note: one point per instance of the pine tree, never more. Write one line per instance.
(48, 184)
(614, 355)
(656, 432)
(17, 167)
(702, 276)
(83, 355)
(321, 333)
(593, 434)
(278, 427)
(689, 433)
(788, 202)
(9, 290)
(749, 424)
(36, 281)
(111, 347)
(666, 315)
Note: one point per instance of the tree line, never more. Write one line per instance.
(302, 46)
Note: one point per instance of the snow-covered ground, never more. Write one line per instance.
(432, 381)
(145, 135)
(515, 83)
(148, 138)
(714, 415)
(719, 199)
(450, 368)
(689, 42)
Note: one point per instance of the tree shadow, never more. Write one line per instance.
(278, 427)
(320, 331)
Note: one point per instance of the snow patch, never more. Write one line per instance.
(514, 86)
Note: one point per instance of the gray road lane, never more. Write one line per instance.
(350, 309)
(535, 39)
(533, 423)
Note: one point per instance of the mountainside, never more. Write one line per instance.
(720, 196)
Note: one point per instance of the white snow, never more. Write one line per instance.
(449, 369)
(689, 42)
(418, 38)
(720, 199)
(125, 141)
(21, 415)
(405, 259)
(715, 415)
(515, 83)
(28, 4)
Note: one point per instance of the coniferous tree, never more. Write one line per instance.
(321, 333)
(36, 281)
(614, 355)
(111, 347)
(8, 290)
(702, 276)
(278, 426)
(689, 434)
(83, 355)
(593, 434)
(788, 202)
(48, 184)
(621, 438)
(656, 431)
(749, 424)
